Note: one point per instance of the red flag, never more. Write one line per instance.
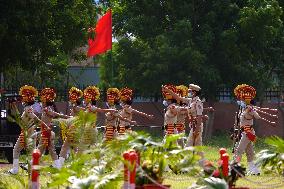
(103, 38)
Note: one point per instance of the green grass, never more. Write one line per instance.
(176, 181)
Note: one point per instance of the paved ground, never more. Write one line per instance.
(4, 164)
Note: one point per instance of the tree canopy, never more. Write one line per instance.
(218, 43)
(35, 34)
(212, 43)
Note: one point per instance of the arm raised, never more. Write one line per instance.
(174, 95)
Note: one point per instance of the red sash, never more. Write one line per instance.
(248, 131)
(180, 127)
(45, 136)
(170, 128)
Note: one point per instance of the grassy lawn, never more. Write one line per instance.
(176, 181)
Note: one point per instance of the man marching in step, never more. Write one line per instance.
(172, 110)
(194, 104)
(91, 95)
(29, 119)
(127, 110)
(247, 93)
(74, 101)
(182, 91)
(47, 97)
(195, 113)
(113, 97)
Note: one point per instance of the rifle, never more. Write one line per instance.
(237, 129)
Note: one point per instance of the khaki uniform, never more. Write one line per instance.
(111, 121)
(248, 134)
(70, 135)
(47, 136)
(28, 118)
(90, 134)
(171, 119)
(126, 113)
(195, 109)
(180, 124)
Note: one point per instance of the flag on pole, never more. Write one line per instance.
(103, 36)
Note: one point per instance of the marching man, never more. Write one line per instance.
(195, 111)
(182, 114)
(172, 110)
(247, 93)
(127, 111)
(91, 95)
(112, 118)
(74, 100)
(29, 119)
(47, 97)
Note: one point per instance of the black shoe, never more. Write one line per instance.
(24, 166)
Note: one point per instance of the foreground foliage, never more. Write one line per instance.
(273, 159)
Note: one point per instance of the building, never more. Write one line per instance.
(83, 73)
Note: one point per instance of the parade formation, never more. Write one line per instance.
(142, 94)
(182, 105)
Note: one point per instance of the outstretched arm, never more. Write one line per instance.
(80, 108)
(105, 110)
(55, 114)
(40, 121)
(143, 114)
(174, 95)
(270, 123)
(127, 120)
(256, 116)
(209, 109)
(268, 114)
(95, 109)
(31, 115)
(266, 109)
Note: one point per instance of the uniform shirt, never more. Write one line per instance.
(111, 118)
(37, 107)
(195, 107)
(74, 110)
(47, 115)
(28, 116)
(181, 116)
(92, 108)
(248, 115)
(126, 113)
(171, 114)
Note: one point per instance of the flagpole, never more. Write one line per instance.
(112, 74)
(112, 82)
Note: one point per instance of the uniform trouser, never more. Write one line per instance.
(110, 133)
(195, 140)
(65, 148)
(245, 145)
(181, 140)
(19, 147)
(68, 142)
(50, 147)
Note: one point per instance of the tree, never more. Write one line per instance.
(212, 43)
(251, 49)
(33, 33)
